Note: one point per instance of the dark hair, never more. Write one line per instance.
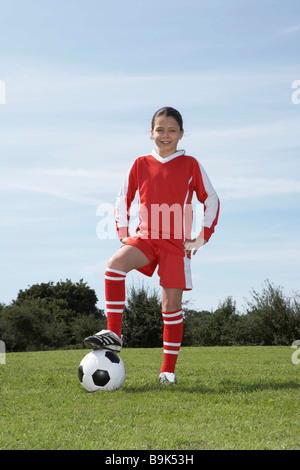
(169, 112)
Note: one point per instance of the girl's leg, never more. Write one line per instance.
(173, 326)
(126, 259)
(171, 299)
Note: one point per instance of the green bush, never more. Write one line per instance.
(53, 316)
(142, 319)
(50, 316)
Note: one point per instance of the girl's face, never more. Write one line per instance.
(166, 133)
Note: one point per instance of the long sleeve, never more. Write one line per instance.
(207, 196)
(123, 202)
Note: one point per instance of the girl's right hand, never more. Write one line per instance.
(195, 244)
(125, 239)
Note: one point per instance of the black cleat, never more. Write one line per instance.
(105, 339)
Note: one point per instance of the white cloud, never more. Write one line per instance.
(70, 184)
(247, 187)
(10, 220)
(59, 88)
(289, 30)
(286, 129)
(258, 257)
(94, 269)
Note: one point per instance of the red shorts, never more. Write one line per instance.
(174, 270)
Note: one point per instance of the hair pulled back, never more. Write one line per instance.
(169, 112)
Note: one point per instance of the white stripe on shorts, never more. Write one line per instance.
(187, 273)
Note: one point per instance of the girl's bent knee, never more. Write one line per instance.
(117, 262)
(113, 263)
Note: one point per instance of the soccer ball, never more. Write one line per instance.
(101, 370)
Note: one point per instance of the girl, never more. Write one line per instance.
(166, 181)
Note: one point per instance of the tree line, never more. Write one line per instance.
(58, 316)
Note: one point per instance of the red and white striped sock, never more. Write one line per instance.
(172, 337)
(115, 299)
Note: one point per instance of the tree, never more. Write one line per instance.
(194, 327)
(78, 297)
(220, 329)
(142, 319)
(32, 326)
(51, 316)
(272, 317)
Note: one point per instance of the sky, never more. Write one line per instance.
(79, 83)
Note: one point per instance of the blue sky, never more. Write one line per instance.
(83, 79)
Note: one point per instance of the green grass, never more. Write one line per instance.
(226, 398)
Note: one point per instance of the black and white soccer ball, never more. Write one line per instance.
(101, 370)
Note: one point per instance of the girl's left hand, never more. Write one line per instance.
(195, 244)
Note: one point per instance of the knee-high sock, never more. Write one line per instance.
(172, 337)
(115, 299)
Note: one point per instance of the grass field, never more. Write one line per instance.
(226, 398)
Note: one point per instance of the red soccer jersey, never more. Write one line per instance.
(166, 187)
